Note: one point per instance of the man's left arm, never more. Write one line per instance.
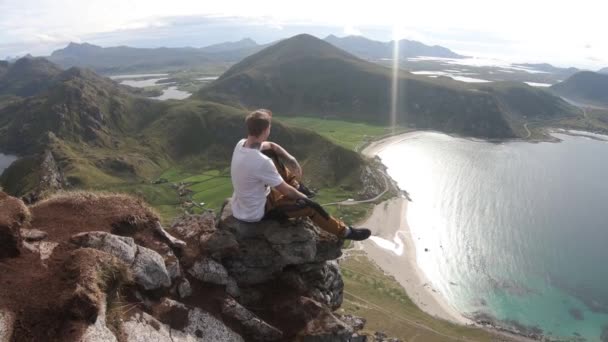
(290, 161)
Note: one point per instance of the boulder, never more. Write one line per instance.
(124, 248)
(7, 325)
(209, 271)
(184, 289)
(99, 332)
(266, 248)
(13, 216)
(255, 327)
(147, 266)
(31, 235)
(320, 324)
(194, 325)
(149, 269)
(323, 282)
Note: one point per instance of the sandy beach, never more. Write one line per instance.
(392, 248)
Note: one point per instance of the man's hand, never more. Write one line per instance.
(290, 161)
(290, 192)
(294, 167)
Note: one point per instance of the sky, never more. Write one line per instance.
(564, 33)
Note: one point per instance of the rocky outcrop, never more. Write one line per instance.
(50, 179)
(106, 263)
(267, 248)
(253, 325)
(181, 323)
(13, 216)
(293, 258)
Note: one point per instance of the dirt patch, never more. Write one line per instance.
(57, 300)
(175, 316)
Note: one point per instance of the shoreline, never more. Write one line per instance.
(393, 248)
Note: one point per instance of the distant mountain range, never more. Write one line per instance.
(304, 75)
(124, 59)
(604, 71)
(586, 87)
(370, 49)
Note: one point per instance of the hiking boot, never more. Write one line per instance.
(306, 191)
(357, 234)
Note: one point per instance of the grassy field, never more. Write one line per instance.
(351, 135)
(370, 293)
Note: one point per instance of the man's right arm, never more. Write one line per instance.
(289, 191)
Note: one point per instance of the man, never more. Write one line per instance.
(263, 188)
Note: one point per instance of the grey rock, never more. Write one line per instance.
(31, 235)
(183, 289)
(322, 282)
(124, 248)
(190, 227)
(253, 325)
(201, 326)
(209, 271)
(149, 270)
(218, 243)
(321, 323)
(174, 268)
(232, 288)
(358, 338)
(266, 248)
(357, 323)
(7, 325)
(99, 332)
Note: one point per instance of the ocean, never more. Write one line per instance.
(515, 233)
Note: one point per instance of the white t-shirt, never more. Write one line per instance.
(252, 175)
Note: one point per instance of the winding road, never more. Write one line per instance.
(373, 199)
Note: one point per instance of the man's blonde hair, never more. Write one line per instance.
(257, 121)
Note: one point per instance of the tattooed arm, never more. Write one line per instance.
(289, 160)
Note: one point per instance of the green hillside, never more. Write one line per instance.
(586, 87)
(104, 137)
(26, 76)
(307, 76)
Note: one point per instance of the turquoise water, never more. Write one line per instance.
(515, 231)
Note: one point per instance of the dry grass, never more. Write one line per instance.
(124, 205)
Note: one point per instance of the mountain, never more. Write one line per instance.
(371, 49)
(245, 43)
(307, 76)
(586, 86)
(548, 68)
(127, 59)
(100, 133)
(603, 71)
(124, 59)
(26, 76)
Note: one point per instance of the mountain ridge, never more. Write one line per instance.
(304, 75)
(586, 86)
(370, 49)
